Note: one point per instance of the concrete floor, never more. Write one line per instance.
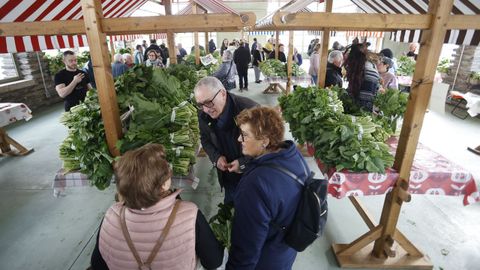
(39, 231)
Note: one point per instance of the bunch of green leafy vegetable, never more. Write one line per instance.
(443, 65)
(391, 105)
(162, 113)
(340, 140)
(273, 67)
(85, 148)
(221, 224)
(124, 50)
(406, 66)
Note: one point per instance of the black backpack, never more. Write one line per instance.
(311, 214)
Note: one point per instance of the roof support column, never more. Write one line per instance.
(289, 61)
(322, 70)
(195, 36)
(430, 48)
(97, 40)
(170, 34)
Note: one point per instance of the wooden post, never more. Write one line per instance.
(430, 48)
(277, 41)
(112, 50)
(322, 70)
(207, 50)
(170, 34)
(97, 41)
(195, 37)
(289, 61)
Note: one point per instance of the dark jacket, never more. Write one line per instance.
(211, 46)
(333, 76)
(266, 195)
(242, 58)
(281, 56)
(258, 57)
(208, 137)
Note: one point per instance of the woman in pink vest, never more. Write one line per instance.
(151, 228)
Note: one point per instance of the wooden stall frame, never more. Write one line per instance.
(384, 246)
(170, 35)
(322, 70)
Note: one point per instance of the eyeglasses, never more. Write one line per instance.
(208, 103)
(243, 136)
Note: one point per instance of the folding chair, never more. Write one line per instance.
(459, 105)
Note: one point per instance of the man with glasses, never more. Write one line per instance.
(218, 131)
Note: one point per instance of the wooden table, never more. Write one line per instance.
(10, 113)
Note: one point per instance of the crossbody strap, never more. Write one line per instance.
(158, 245)
(284, 170)
(230, 68)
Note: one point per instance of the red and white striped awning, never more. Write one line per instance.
(293, 6)
(466, 7)
(211, 6)
(158, 36)
(53, 10)
(365, 34)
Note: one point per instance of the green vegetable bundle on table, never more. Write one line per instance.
(162, 113)
(341, 140)
(274, 67)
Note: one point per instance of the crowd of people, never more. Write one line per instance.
(151, 227)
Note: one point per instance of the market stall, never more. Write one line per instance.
(375, 248)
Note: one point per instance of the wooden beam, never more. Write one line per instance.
(289, 62)
(207, 50)
(322, 70)
(195, 36)
(349, 21)
(463, 22)
(430, 48)
(92, 14)
(170, 35)
(215, 22)
(277, 43)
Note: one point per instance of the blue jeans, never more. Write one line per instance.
(314, 79)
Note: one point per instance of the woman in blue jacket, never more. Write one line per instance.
(265, 196)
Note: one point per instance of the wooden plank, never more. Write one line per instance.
(207, 50)
(406, 244)
(230, 22)
(364, 259)
(463, 22)
(362, 211)
(348, 21)
(195, 36)
(322, 71)
(430, 48)
(215, 22)
(92, 14)
(361, 242)
(289, 61)
(277, 42)
(112, 50)
(170, 35)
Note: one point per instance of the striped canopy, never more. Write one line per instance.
(460, 7)
(54, 10)
(211, 6)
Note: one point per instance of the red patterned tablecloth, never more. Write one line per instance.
(12, 112)
(431, 174)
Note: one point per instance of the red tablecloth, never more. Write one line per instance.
(431, 174)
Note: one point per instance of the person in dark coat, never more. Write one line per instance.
(218, 131)
(211, 46)
(258, 57)
(266, 197)
(242, 58)
(333, 75)
(281, 54)
(165, 54)
(155, 47)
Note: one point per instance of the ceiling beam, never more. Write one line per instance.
(349, 21)
(136, 25)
